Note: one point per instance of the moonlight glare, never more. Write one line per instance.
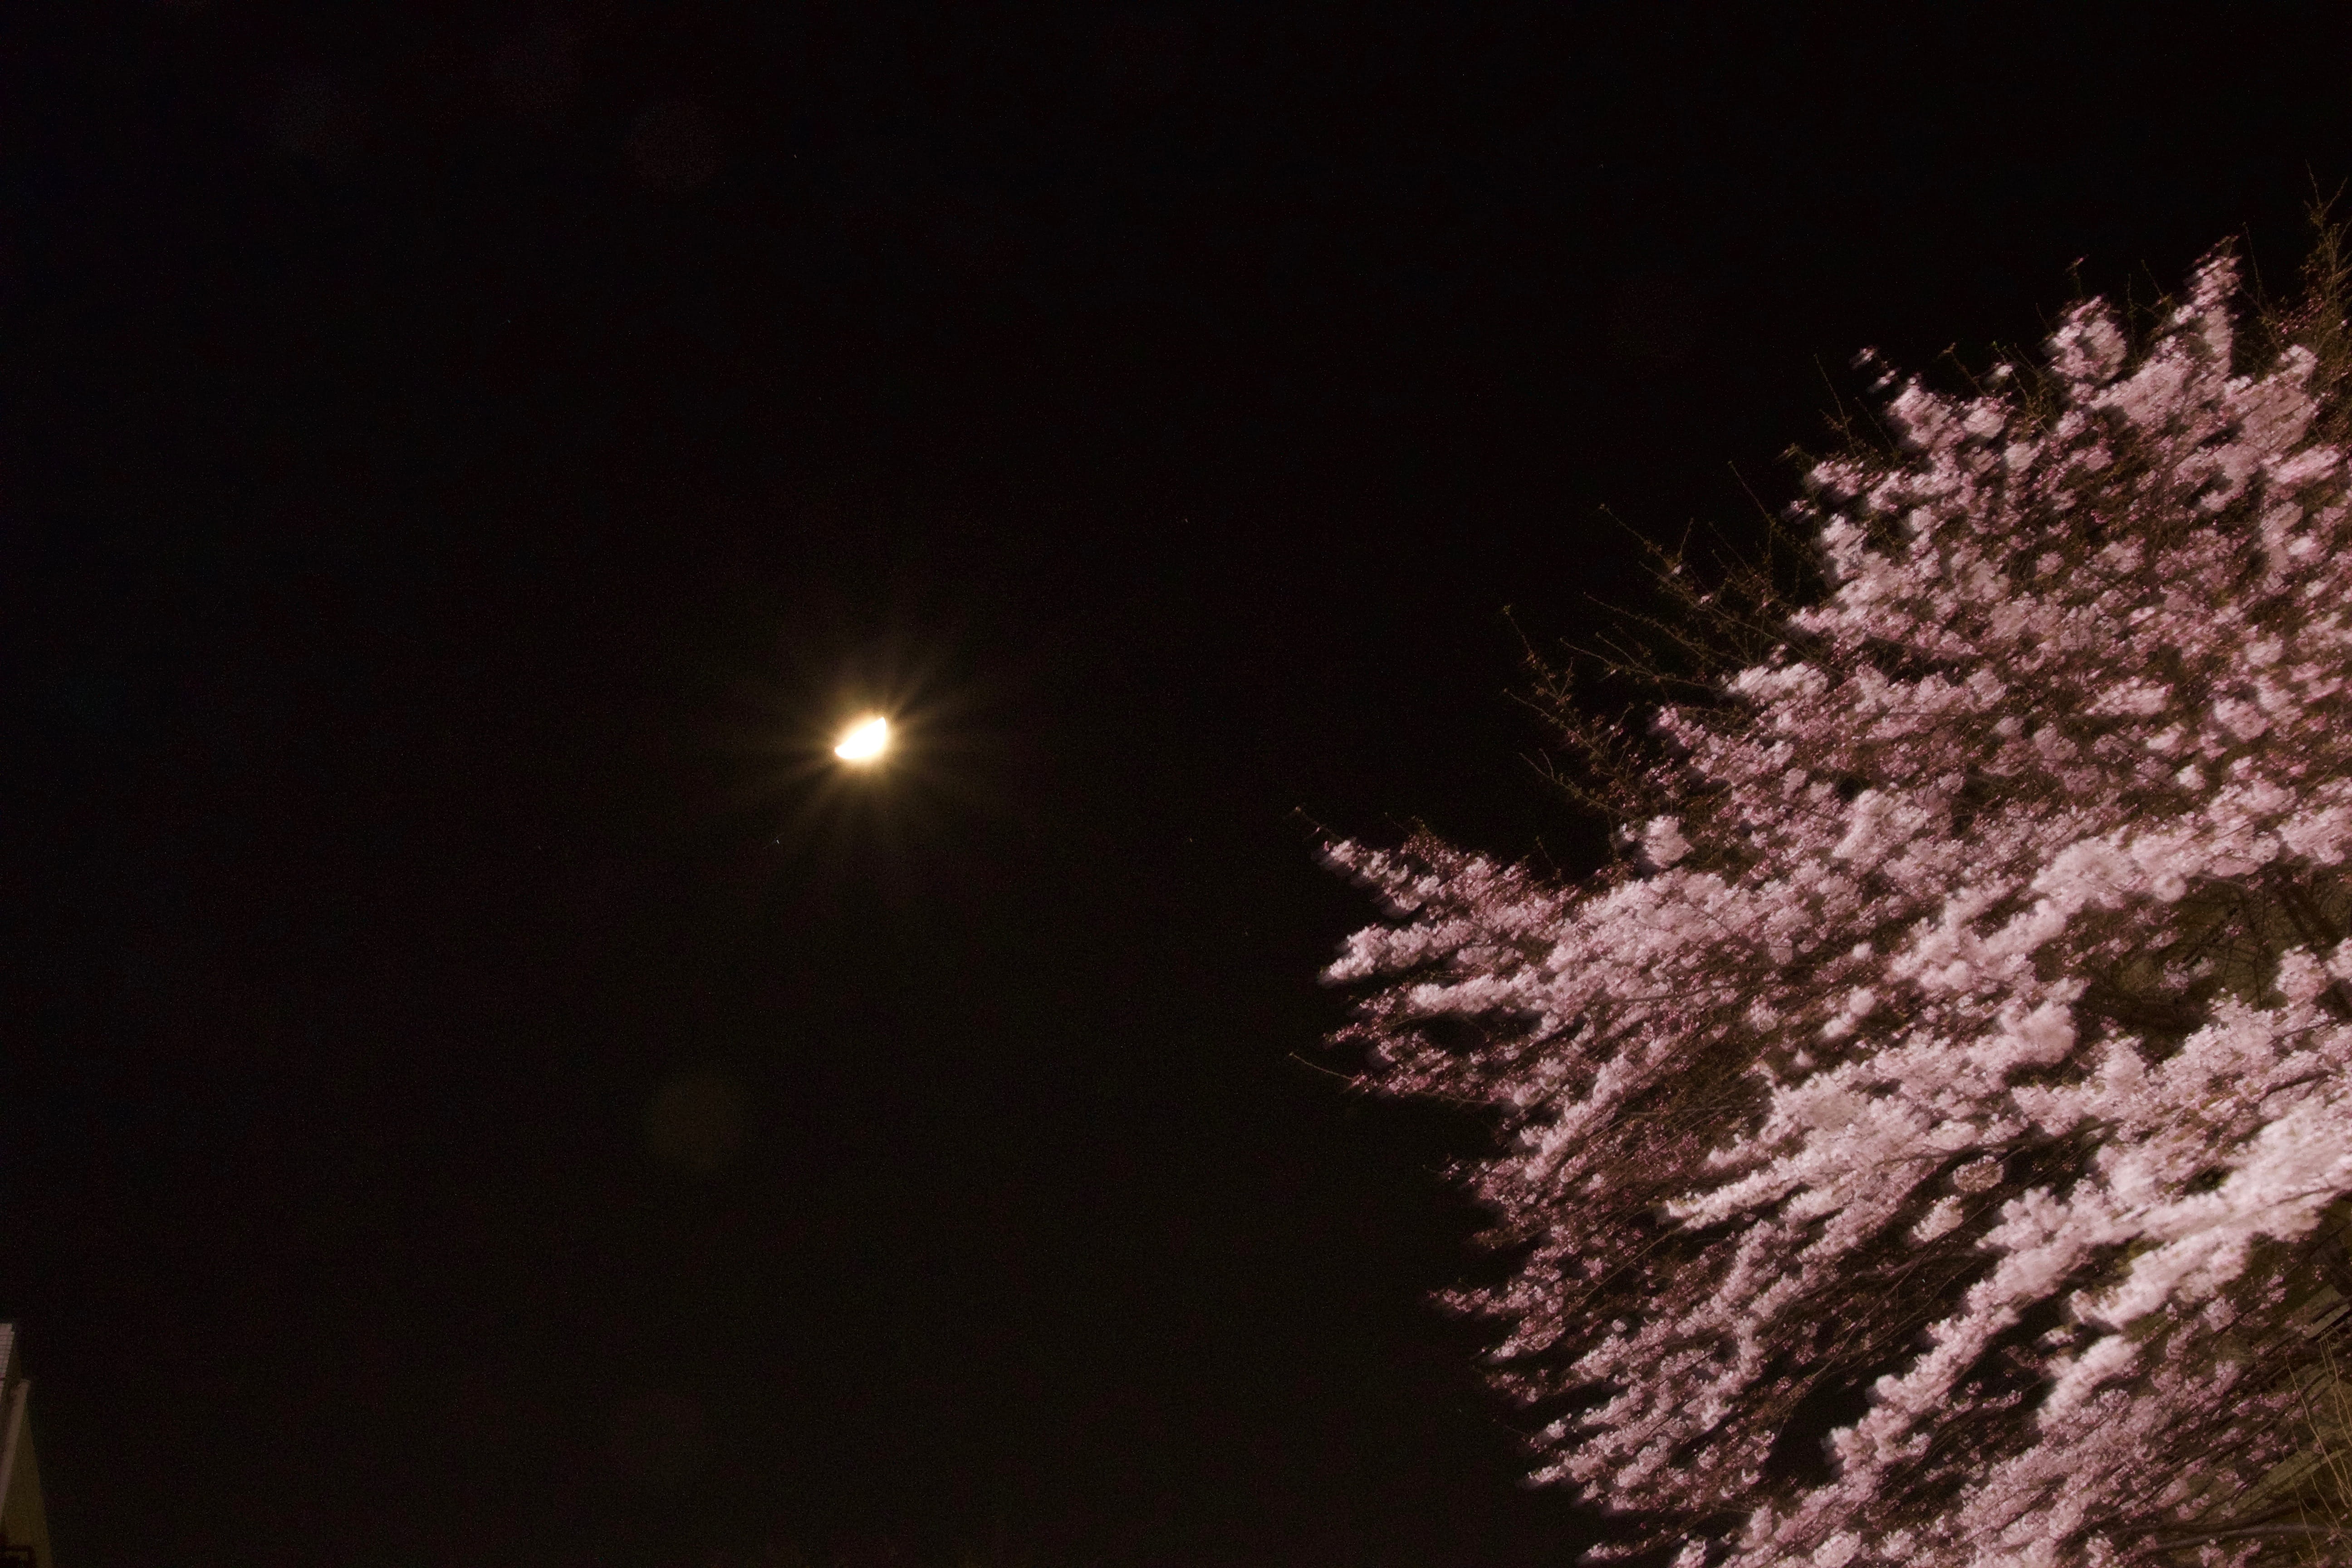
(865, 760)
(864, 741)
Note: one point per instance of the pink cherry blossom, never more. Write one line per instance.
(1970, 1031)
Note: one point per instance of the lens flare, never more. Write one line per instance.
(865, 740)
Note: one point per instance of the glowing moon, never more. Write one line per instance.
(865, 740)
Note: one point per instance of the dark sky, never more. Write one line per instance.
(473, 1089)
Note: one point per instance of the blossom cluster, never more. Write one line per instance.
(1961, 1065)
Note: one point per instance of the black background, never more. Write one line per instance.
(474, 1090)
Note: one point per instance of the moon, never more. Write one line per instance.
(864, 741)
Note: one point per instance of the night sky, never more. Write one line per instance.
(477, 1084)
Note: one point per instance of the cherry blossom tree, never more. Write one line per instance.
(1956, 1059)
